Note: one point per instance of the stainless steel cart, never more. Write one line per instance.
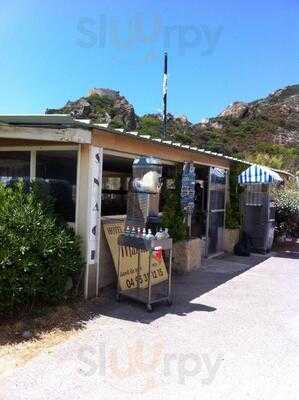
(153, 293)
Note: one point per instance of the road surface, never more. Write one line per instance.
(232, 333)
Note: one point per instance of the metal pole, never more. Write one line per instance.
(169, 276)
(149, 294)
(138, 272)
(118, 278)
(165, 77)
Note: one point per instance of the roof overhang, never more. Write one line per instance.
(53, 128)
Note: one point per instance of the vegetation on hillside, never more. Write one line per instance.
(265, 131)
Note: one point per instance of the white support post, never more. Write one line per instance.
(32, 165)
(93, 220)
(78, 190)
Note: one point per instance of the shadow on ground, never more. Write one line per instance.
(186, 288)
(44, 321)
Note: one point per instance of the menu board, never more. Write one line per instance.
(128, 263)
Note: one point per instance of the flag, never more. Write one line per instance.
(164, 85)
(165, 77)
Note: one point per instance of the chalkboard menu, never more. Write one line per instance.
(188, 187)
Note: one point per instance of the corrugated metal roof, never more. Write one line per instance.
(66, 120)
(167, 142)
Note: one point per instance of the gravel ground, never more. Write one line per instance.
(232, 333)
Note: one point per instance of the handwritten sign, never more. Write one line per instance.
(128, 277)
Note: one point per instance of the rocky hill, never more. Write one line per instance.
(101, 106)
(265, 131)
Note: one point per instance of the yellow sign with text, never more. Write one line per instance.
(128, 265)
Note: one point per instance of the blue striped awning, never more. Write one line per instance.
(258, 174)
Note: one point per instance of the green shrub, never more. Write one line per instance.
(150, 125)
(272, 161)
(100, 102)
(233, 215)
(182, 138)
(38, 256)
(286, 201)
(173, 215)
(116, 124)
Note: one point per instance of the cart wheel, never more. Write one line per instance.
(149, 308)
(118, 297)
(169, 302)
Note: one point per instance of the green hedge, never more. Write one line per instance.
(173, 215)
(233, 215)
(286, 201)
(38, 255)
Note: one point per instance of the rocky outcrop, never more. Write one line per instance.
(101, 106)
(114, 94)
(235, 110)
(124, 113)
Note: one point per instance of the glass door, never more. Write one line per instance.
(216, 211)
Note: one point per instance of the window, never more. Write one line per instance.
(114, 194)
(111, 183)
(14, 165)
(58, 169)
(217, 189)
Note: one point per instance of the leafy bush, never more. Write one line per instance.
(272, 161)
(288, 154)
(38, 255)
(287, 210)
(182, 138)
(173, 215)
(56, 197)
(233, 216)
(115, 124)
(100, 102)
(150, 125)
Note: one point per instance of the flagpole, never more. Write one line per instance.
(165, 96)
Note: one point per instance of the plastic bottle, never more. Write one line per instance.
(149, 235)
(160, 234)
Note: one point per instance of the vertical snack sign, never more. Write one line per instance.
(188, 191)
(94, 198)
(188, 187)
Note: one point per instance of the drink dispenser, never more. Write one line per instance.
(144, 194)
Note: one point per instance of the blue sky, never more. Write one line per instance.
(219, 52)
